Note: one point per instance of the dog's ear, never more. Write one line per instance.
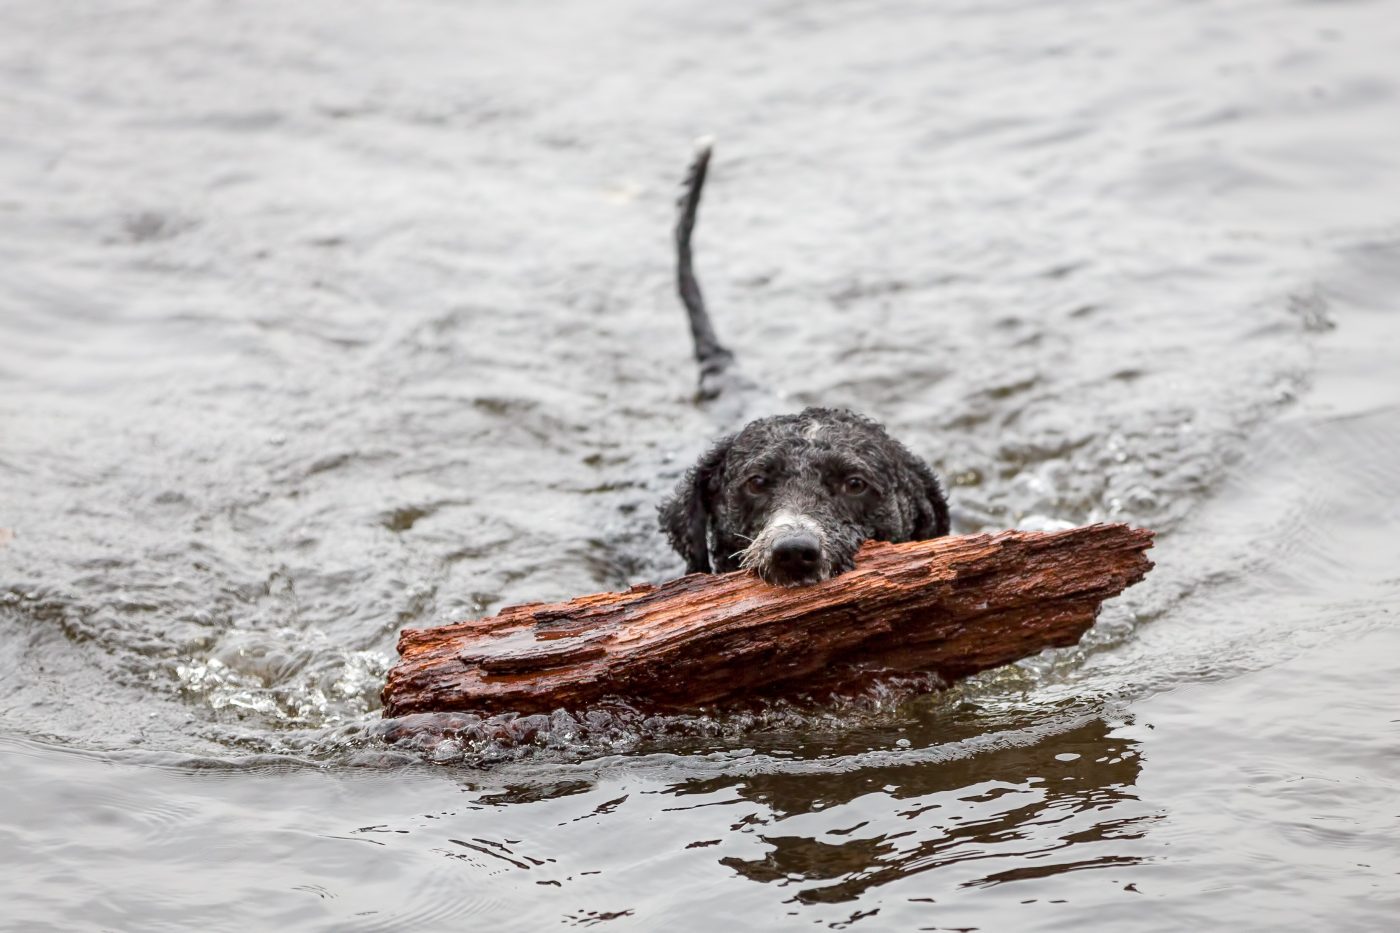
(685, 517)
(930, 504)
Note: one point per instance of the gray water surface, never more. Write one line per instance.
(321, 320)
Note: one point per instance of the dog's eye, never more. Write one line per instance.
(756, 484)
(855, 485)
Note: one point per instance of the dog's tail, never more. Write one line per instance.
(714, 358)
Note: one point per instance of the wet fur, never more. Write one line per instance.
(718, 522)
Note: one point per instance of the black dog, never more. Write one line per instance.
(790, 497)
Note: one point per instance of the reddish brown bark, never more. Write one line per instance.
(954, 606)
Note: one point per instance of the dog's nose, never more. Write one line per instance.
(797, 554)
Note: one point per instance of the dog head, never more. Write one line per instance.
(792, 497)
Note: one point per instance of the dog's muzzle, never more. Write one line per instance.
(789, 551)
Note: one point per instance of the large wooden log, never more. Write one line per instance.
(953, 606)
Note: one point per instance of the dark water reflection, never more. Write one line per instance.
(320, 322)
(1018, 805)
(1021, 805)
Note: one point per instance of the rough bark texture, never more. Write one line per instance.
(954, 606)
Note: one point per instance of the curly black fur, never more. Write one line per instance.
(833, 476)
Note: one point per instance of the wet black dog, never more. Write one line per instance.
(790, 497)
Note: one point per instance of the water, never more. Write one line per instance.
(322, 320)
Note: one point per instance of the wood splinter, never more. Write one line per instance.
(953, 606)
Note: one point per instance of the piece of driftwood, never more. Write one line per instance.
(953, 606)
